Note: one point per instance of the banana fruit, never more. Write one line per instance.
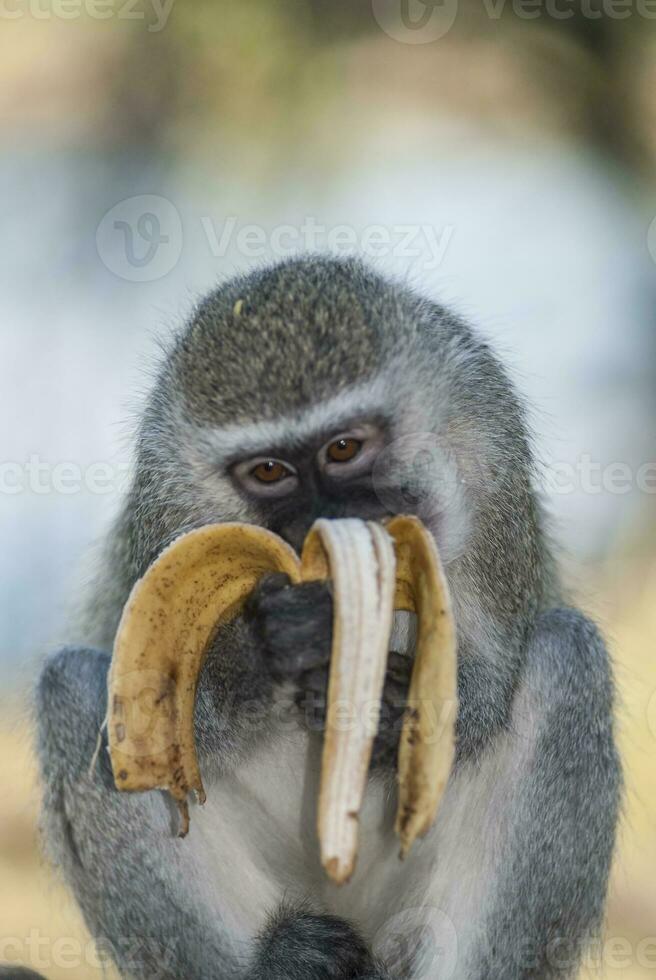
(203, 579)
(350, 551)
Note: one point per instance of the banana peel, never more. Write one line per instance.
(199, 582)
(203, 579)
(427, 745)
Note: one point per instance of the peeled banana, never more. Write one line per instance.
(203, 579)
(350, 550)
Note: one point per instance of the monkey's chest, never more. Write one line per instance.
(254, 842)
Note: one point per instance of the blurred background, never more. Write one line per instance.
(498, 154)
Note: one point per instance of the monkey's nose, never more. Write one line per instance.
(295, 534)
(295, 531)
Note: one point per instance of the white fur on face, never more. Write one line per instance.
(252, 439)
(206, 451)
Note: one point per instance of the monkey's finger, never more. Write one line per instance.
(295, 627)
(268, 585)
(399, 669)
(293, 601)
(315, 680)
(288, 664)
(313, 706)
(395, 693)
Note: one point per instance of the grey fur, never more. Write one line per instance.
(312, 331)
(572, 780)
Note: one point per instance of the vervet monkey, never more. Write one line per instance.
(317, 388)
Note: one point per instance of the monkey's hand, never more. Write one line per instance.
(293, 623)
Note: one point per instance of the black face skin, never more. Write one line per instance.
(331, 478)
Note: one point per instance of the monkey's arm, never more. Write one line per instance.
(558, 779)
(138, 885)
(117, 851)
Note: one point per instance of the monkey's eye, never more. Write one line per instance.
(350, 455)
(270, 471)
(265, 476)
(344, 449)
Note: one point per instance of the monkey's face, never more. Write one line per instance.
(308, 390)
(357, 454)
